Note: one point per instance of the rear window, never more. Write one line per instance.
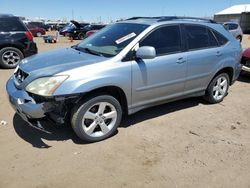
(199, 37)
(231, 26)
(10, 25)
(220, 38)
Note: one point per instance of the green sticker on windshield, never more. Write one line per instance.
(127, 37)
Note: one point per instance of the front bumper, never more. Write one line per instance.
(23, 104)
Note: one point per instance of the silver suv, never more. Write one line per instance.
(124, 68)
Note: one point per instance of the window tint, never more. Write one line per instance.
(220, 38)
(165, 40)
(8, 25)
(199, 37)
(212, 39)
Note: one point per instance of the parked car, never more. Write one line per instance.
(246, 61)
(39, 24)
(60, 26)
(91, 32)
(235, 29)
(73, 29)
(90, 27)
(124, 68)
(36, 31)
(16, 41)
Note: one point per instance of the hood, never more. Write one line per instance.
(76, 23)
(53, 62)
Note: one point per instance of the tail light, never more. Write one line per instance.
(29, 35)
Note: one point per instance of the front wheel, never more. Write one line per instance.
(97, 118)
(217, 89)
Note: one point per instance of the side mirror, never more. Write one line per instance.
(146, 52)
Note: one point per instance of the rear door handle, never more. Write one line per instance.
(180, 60)
(218, 53)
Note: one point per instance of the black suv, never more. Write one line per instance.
(16, 42)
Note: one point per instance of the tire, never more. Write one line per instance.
(90, 120)
(216, 90)
(10, 57)
(239, 38)
(81, 36)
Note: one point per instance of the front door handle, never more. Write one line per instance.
(180, 60)
(218, 53)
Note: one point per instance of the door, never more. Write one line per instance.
(164, 76)
(203, 57)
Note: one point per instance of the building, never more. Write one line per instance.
(236, 13)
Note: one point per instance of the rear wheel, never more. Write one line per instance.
(81, 36)
(97, 118)
(10, 57)
(217, 89)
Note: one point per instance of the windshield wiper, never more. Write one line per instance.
(92, 51)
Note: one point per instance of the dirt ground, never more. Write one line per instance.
(182, 144)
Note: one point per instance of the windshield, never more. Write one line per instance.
(112, 39)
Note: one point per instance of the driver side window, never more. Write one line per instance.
(165, 40)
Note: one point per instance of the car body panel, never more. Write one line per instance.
(157, 78)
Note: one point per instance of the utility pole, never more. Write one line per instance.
(73, 14)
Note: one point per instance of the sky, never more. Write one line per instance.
(106, 10)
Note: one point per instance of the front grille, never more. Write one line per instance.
(20, 75)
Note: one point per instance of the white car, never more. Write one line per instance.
(235, 29)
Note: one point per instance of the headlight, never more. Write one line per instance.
(45, 86)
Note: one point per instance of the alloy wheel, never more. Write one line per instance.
(10, 57)
(99, 119)
(220, 88)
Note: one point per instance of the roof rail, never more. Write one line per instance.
(170, 18)
(136, 18)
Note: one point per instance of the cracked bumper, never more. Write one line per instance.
(23, 104)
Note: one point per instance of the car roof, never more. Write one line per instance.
(7, 16)
(166, 19)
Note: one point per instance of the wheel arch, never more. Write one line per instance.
(13, 46)
(228, 70)
(112, 90)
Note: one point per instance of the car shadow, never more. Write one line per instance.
(160, 110)
(35, 137)
(244, 78)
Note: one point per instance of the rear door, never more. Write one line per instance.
(203, 57)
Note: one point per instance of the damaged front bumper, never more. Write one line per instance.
(31, 109)
(25, 106)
